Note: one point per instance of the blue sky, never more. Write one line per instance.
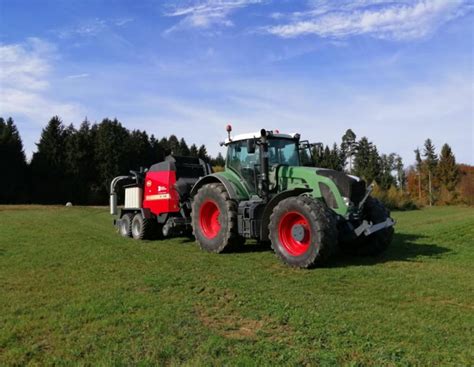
(395, 71)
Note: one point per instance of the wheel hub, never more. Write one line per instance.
(298, 232)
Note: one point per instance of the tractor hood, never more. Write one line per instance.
(338, 189)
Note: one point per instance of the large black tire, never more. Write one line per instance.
(214, 219)
(125, 227)
(303, 232)
(376, 243)
(142, 228)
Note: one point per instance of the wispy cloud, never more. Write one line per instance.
(78, 76)
(204, 14)
(92, 27)
(398, 20)
(25, 84)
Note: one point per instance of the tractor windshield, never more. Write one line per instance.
(283, 151)
(247, 165)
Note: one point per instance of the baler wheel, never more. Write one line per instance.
(125, 227)
(303, 231)
(142, 228)
(214, 219)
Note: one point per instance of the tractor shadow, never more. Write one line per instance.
(404, 247)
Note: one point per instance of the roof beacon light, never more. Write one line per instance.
(277, 131)
(228, 128)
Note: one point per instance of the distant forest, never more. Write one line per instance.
(77, 165)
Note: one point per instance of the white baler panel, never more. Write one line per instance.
(133, 197)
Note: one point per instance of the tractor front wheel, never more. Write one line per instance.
(303, 231)
(214, 219)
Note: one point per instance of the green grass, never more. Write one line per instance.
(73, 292)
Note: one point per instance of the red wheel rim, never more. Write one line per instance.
(209, 219)
(288, 224)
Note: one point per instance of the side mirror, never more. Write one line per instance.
(251, 146)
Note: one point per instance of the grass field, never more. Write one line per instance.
(72, 291)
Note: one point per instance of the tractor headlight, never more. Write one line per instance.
(347, 201)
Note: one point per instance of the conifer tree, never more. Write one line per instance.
(366, 161)
(194, 151)
(202, 153)
(431, 163)
(183, 147)
(13, 186)
(448, 171)
(349, 147)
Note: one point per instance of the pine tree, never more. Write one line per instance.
(366, 161)
(218, 161)
(349, 147)
(13, 186)
(157, 150)
(431, 163)
(336, 158)
(111, 152)
(81, 170)
(401, 177)
(447, 171)
(183, 147)
(194, 151)
(387, 165)
(173, 145)
(419, 168)
(48, 165)
(202, 153)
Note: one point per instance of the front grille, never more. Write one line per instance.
(347, 186)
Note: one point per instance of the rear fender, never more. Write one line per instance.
(272, 204)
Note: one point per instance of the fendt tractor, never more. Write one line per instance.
(265, 193)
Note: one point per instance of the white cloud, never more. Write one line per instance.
(92, 27)
(380, 19)
(78, 76)
(25, 86)
(204, 14)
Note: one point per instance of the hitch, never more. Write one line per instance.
(368, 228)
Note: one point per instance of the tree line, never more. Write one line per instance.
(434, 179)
(77, 164)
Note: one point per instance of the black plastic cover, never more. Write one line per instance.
(348, 186)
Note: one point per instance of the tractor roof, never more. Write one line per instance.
(248, 136)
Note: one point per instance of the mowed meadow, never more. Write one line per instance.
(73, 292)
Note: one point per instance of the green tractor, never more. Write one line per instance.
(268, 194)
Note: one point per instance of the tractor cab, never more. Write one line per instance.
(244, 155)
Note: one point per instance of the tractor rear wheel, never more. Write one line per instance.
(214, 219)
(303, 231)
(376, 243)
(125, 227)
(142, 228)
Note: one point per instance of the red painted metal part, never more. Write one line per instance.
(209, 219)
(159, 193)
(285, 227)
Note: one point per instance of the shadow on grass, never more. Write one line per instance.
(404, 247)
